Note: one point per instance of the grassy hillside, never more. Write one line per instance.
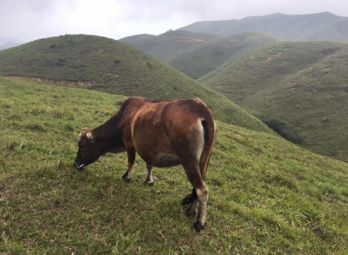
(108, 65)
(207, 57)
(267, 196)
(319, 26)
(299, 88)
(167, 46)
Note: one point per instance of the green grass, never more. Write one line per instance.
(114, 67)
(267, 196)
(301, 87)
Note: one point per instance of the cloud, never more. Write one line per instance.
(32, 19)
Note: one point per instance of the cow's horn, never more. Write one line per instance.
(84, 131)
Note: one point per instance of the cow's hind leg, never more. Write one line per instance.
(149, 178)
(202, 194)
(194, 175)
(190, 202)
(127, 176)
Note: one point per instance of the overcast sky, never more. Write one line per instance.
(27, 20)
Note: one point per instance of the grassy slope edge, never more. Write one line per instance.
(267, 196)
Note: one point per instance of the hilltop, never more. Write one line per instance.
(107, 65)
(300, 89)
(318, 27)
(167, 46)
(267, 196)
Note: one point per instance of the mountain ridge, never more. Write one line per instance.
(205, 58)
(196, 54)
(318, 26)
(169, 44)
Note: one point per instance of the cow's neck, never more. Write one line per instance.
(109, 135)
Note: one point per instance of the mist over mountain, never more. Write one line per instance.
(197, 54)
(205, 58)
(323, 26)
(167, 46)
(201, 47)
(6, 43)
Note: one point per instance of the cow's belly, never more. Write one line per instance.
(166, 160)
(154, 148)
(157, 155)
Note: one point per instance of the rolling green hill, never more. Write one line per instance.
(318, 27)
(107, 65)
(167, 46)
(205, 58)
(267, 196)
(196, 54)
(299, 88)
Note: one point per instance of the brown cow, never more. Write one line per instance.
(163, 133)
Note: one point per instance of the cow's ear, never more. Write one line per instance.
(90, 136)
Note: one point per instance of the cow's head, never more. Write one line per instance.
(89, 149)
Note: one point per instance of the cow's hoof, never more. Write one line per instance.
(198, 226)
(126, 178)
(188, 200)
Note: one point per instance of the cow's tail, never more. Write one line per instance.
(209, 129)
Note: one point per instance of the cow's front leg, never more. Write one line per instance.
(149, 178)
(127, 176)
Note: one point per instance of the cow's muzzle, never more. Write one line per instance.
(79, 166)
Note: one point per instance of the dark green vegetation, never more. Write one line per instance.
(167, 46)
(319, 27)
(108, 65)
(267, 196)
(299, 88)
(208, 56)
